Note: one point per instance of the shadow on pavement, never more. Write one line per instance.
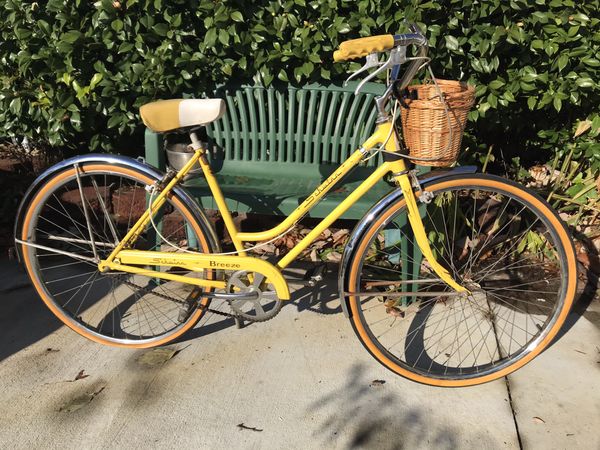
(587, 287)
(369, 415)
(322, 298)
(24, 320)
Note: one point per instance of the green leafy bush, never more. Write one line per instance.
(74, 73)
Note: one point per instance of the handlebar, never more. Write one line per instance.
(372, 45)
(357, 48)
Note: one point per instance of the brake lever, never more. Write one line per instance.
(397, 58)
(372, 61)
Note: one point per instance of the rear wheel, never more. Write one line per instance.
(497, 239)
(114, 308)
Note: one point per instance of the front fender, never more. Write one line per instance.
(118, 160)
(373, 213)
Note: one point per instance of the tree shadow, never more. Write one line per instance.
(587, 286)
(369, 415)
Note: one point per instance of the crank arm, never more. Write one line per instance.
(232, 296)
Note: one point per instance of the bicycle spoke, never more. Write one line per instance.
(478, 235)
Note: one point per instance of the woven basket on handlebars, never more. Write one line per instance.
(431, 134)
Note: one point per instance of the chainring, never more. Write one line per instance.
(264, 307)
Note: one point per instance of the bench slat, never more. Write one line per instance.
(274, 145)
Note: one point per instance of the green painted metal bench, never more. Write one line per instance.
(274, 146)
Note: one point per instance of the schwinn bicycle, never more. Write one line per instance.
(453, 279)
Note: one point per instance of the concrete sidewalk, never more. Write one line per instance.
(301, 380)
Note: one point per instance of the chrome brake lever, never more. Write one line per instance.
(372, 61)
(397, 58)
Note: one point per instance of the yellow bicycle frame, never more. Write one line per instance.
(127, 260)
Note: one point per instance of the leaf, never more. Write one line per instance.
(137, 68)
(451, 42)
(117, 25)
(210, 37)
(71, 36)
(557, 102)
(582, 127)
(81, 375)
(584, 82)
(531, 101)
(161, 29)
(80, 401)
(562, 61)
(223, 37)
(344, 28)
(114, 120)
(283, 76)
(237, 16)
(496, 84)
(97, 78)
(156, 356)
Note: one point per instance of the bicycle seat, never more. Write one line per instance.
(168, 115)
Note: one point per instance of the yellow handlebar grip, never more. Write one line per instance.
(356, 48)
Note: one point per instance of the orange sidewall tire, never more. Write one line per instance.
(44, 295)
(534, 201)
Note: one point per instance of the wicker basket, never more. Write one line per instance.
(431, 138)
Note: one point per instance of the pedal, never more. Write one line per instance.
(317, 275)
(312, 277)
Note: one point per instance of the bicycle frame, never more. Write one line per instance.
(121, 258)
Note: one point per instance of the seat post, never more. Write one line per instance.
(196, 144)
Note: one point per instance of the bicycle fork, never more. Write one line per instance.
(403, 179)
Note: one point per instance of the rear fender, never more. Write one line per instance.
(117, 160)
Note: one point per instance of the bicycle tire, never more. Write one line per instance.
(166, 309)
(416, 360)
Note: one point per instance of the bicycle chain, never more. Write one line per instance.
(148, 289)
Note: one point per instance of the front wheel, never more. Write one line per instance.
(502, 242)
(75, 219)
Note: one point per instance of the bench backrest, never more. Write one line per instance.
(293, 128)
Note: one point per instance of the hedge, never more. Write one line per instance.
(73, 74)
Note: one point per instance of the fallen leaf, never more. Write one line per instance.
(241, 426)
(81, 375)
(334, 257)
(395, 312)
(156, 357)
(584, 259)
(538, 420)
(81, 401)
(340, 236)
(390, 303)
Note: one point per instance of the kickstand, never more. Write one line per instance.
(239, 322)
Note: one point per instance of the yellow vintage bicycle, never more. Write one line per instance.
(453, 279)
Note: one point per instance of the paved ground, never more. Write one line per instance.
(301, 380)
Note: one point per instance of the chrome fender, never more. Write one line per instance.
(116, 160)
(373, 213)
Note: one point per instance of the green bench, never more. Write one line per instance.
(274, 146)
